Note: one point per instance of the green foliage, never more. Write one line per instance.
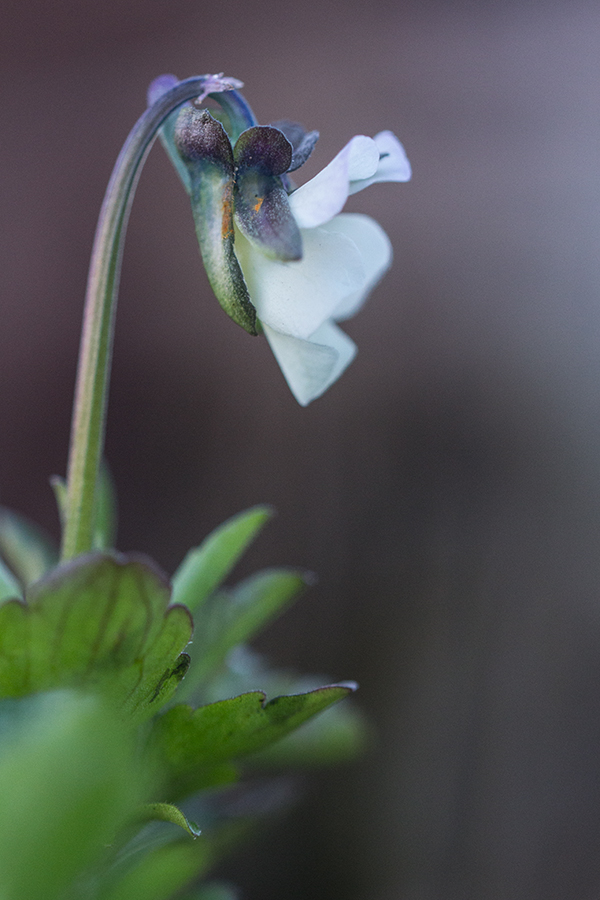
(230, 618)
(24, 547)
(69, 779)
(9, 586)
(103, 621)
(91, 653)
(207, 566)
(191, 743)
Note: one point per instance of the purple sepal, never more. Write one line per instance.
(302, 141)
(200, 138)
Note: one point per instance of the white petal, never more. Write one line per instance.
(393, 163)
(296, 298)
(311, 366)
(376, 250)
(323, 197)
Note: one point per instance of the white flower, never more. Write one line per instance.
(344, 256)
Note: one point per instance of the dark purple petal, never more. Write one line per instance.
(263, 149)
(263, 215)
(302, 141)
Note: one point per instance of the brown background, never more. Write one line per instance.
(446, 490)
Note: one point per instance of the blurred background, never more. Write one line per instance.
(446, 490)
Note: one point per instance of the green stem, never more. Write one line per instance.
(91, 392)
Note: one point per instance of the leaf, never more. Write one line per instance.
(215, 890)
(160, 871)
(164, 871)
(101, 620)
(167, 812)
(229, 618)
(339, 736)
(69, 780)
(26, 549)
(207, 566)
(9, 586)
(189, 742)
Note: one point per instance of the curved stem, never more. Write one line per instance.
(89, 413)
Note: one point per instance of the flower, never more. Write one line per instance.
(287, 259)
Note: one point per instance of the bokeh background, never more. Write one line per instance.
(446, 490)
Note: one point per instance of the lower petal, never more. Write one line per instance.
(296, 298)
(311, 366)
(376, 251)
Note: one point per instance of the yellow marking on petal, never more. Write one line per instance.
(258, 204)
(227, 213)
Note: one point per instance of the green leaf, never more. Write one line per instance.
(101, 620)
(160, 874)
(26, 549)
(167, 812)
(214, 891)
(339, 736)
(189, 742)
(9, 586)
(207, 566)
(156, 867)
(69, 781)
(229, 618)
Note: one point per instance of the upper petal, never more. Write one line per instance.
(311, 366)
(323, 197)
(296, 298)
(393, 163)
(375, 249)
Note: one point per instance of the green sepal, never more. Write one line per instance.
(104, 621)
(205, 148)
(105, 516)
(233, 617)
(206, 567)
(24, 547)
(167, 812)
(189, 742)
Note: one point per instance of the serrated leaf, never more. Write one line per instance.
(167, 812)
(100, 620)
(229, 618)
(207, 566)
(189, 742)
(24, 546)
(339, 736)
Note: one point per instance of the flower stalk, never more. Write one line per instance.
(91, 392)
